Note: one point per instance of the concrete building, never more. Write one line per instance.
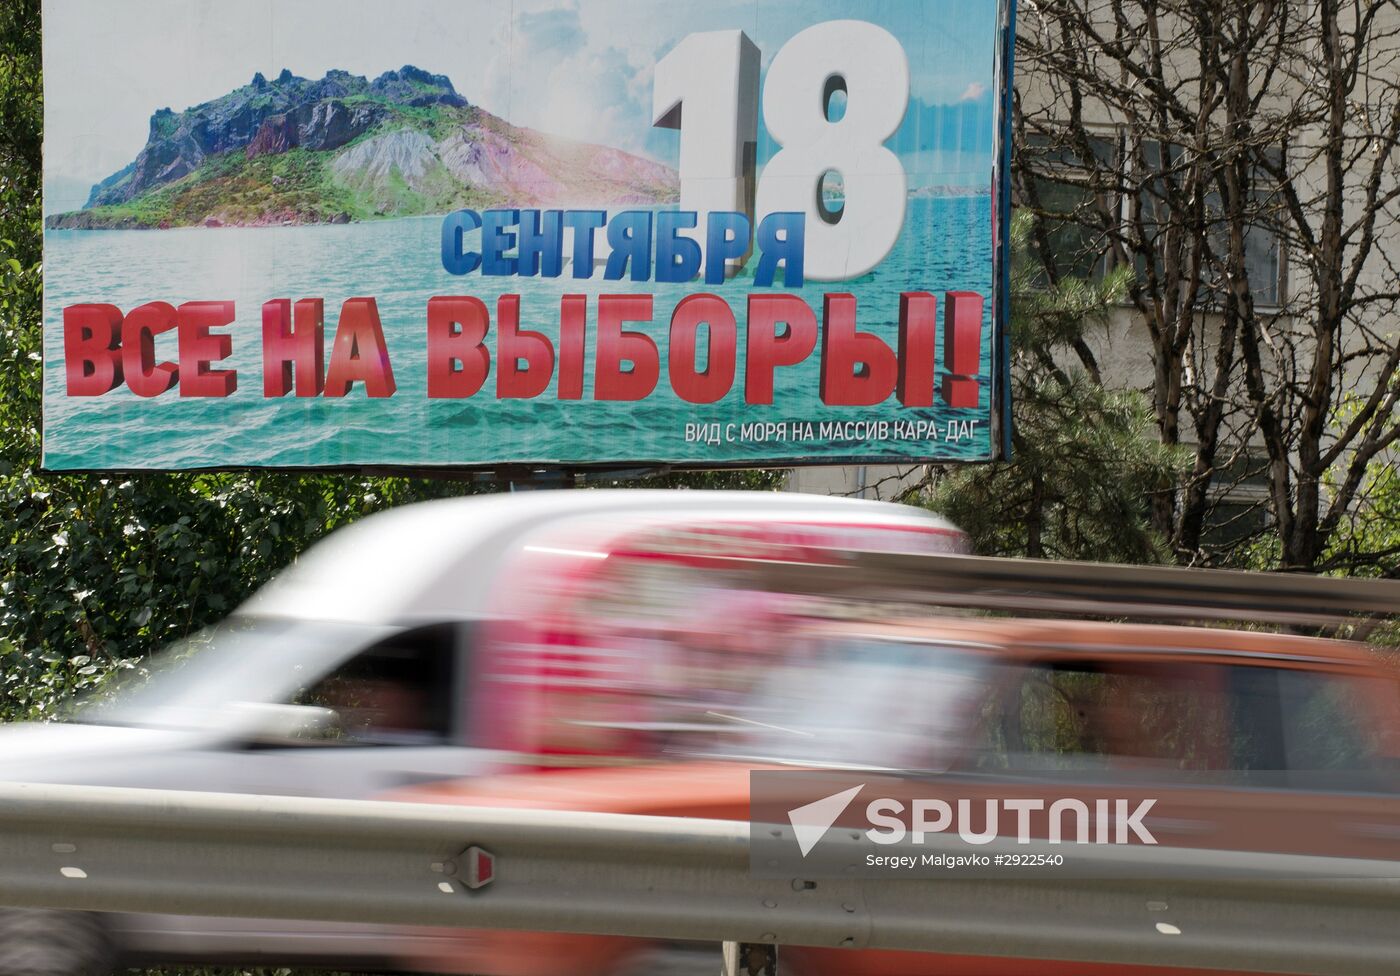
(1296, 149)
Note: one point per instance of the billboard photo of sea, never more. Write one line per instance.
(946, 246)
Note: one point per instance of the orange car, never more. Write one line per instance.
(1248, 741)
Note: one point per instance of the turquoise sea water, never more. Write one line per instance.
(945, 246)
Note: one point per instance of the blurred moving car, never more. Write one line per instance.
(440, 640)
(1248, 741)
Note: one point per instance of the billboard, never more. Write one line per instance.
(466, 233)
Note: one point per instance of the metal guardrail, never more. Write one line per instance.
(1045, 586)
(103, 849)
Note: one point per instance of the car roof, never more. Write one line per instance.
(438, 559)
(1029, 637)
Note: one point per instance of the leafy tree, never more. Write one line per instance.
(1086, 462)
(1372, 529)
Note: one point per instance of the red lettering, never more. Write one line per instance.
(610, 380)
(918, 311)
(715, 380)
(768, 349)
(514, 344)
(286, 347)
(91, 349)
(458, 360)
(144, 376)
(962, 347)
(359, 352)
(573, 310)
(858, 369)
(198, 348)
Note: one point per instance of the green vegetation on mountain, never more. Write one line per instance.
(342, 149)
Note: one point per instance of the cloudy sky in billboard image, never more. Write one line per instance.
(580, 70)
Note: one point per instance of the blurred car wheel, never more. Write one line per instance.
(40, 942)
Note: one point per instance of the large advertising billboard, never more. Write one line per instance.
(469, 233)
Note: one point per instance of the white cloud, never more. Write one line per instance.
(576, 69)
(552, 73)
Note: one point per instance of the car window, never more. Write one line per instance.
(1250, 725)
(195, 683)
(1086, 715)
(398, 691)
(1309, 727)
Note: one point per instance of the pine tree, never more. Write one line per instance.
(1086, 459)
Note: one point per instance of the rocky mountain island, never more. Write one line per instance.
(342, 149)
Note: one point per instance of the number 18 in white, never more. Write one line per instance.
(707, 86)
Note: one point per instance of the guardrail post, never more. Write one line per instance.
(749, 959)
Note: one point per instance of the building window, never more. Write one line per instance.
(1090, 190)
(1163, 186)
(1075, 202)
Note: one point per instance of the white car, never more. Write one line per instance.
(437, 641)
